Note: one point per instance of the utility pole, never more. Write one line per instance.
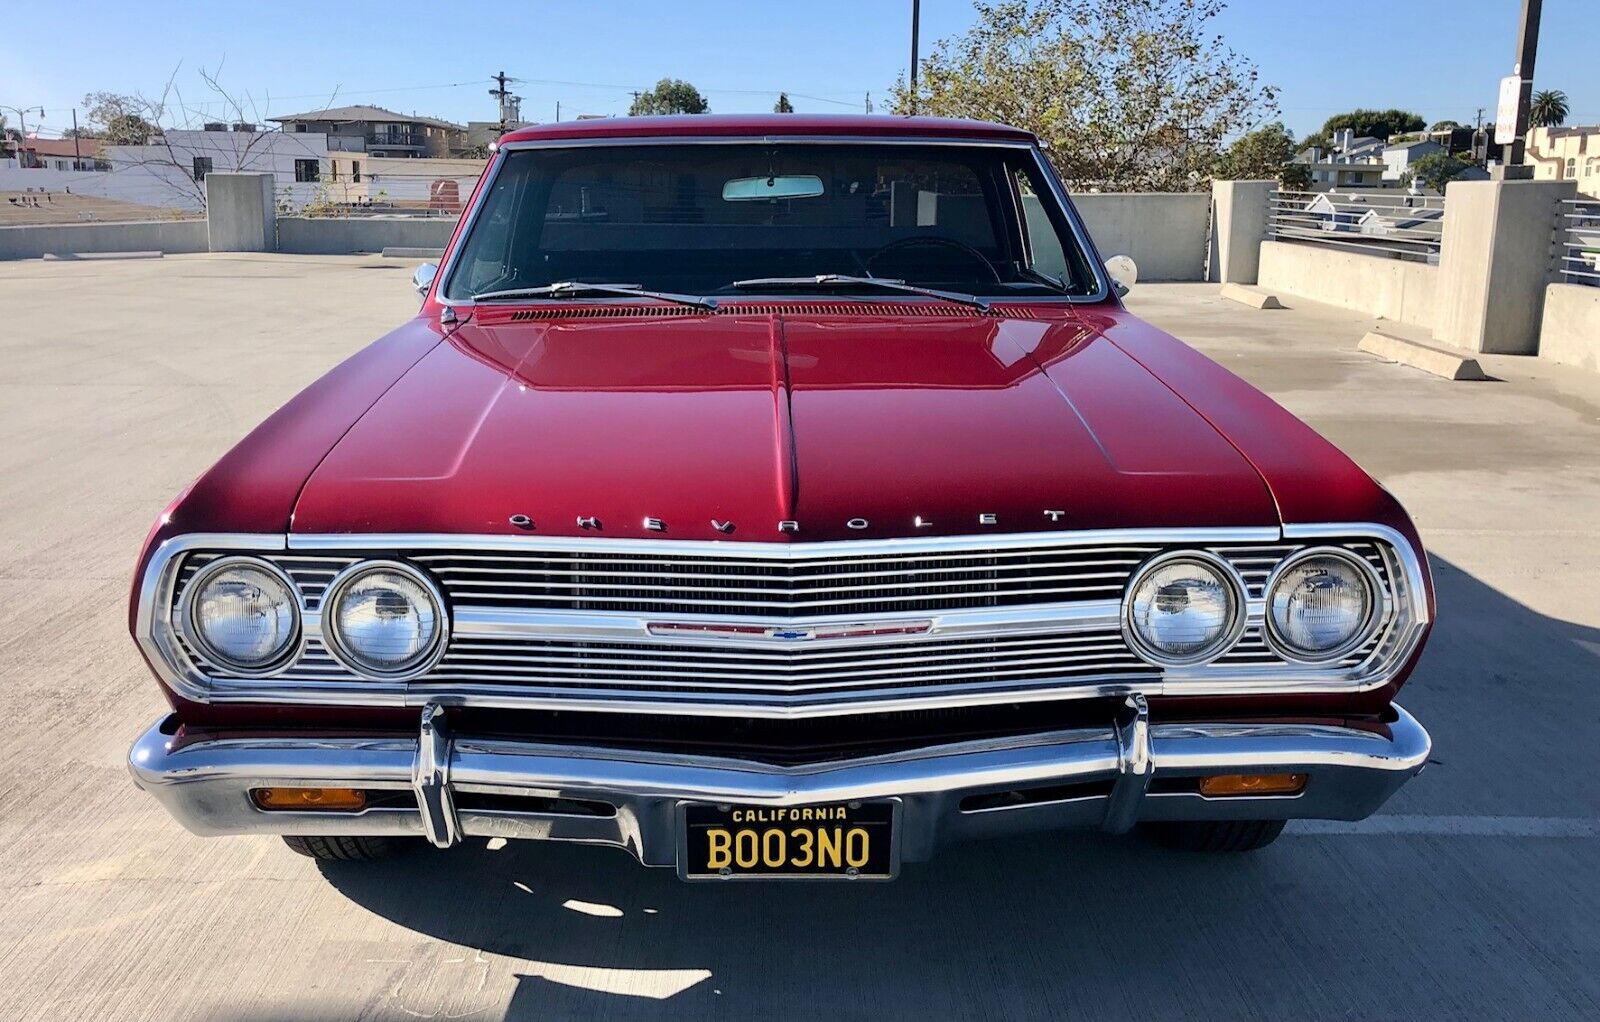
(869, 102)
(501, 94)
(916, 21)
(77, 146)
(1527, 49)
(558, 111)
(22, 129)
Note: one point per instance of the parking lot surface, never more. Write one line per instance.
(1476, 894)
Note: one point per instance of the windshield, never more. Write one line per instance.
(710, 219)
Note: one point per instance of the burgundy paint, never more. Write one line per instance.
(773, 412)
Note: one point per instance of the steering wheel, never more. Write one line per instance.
(935, 241)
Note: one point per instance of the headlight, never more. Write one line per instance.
(1183, 608)
(243, 614)
(384, 619)
(1321, 604)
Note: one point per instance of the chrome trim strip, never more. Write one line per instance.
(204, 784)
(1406, 622)
(779, 551)
(1080, 231)
(619, 626)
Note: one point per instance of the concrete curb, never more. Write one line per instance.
(1440, 362)
(409, 252)
(1250, 296)
(73, 256)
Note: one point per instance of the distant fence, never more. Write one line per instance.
(1578, 231)
(389, 194)
(1391, 225)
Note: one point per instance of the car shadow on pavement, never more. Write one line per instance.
(1090, 925)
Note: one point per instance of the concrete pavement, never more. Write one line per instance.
(1475, 895)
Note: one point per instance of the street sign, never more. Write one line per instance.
(1505, 114)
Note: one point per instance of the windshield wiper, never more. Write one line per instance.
(845, 280)
(569, 288)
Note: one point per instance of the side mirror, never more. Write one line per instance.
(1124, 273)
(422, 279)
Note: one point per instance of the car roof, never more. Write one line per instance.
(767, 126)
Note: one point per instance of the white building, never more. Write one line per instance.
(1402, 157)
(169, 173)
(171, 170)
(1351, 163)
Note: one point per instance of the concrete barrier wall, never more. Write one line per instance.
(1164, 232)
(339, 237)
(171, 236)
(1570, 331)
(1391, 288)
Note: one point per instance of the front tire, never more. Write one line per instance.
(1216, 835)
(343, 849)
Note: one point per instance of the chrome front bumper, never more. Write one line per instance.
(448, 787)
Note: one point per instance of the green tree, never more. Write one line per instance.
(1129, 94)
(1548, 109)
(1374, 123)
(1295, 177)
(670, 96)
(783, 106)
(119, 119)
(1258, 155)
(1445, 125)
(1434, 171)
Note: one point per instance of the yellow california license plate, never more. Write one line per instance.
(847, 841)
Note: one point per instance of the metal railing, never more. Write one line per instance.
(387, 195)
(1386, 224)
(1578, 237)
(402, 139)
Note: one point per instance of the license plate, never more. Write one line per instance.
(849, 841)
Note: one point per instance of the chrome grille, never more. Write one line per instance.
(747, 671)
(1082, 649)
(649, 584)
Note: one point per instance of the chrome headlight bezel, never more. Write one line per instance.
(1226, 640)
(188, 625)
(1375, 605)
(419, 664)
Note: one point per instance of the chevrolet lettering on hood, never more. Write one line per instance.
(777, 498)
(653, 524)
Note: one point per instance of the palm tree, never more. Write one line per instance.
(1549, 108)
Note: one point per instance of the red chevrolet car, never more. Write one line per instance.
(777, 497)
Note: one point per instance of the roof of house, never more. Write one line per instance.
(1412, 144)
(1576, 129)
(758, 125)
(351, 114)
(88, 148)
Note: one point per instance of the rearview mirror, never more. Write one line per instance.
(754, 189)
(422, 279)
(1124, 273)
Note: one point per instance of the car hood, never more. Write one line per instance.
(725, 426)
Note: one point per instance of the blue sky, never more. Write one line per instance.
(1439, 57)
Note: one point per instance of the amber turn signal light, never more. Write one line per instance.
(330, 800)
(1223, 785)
